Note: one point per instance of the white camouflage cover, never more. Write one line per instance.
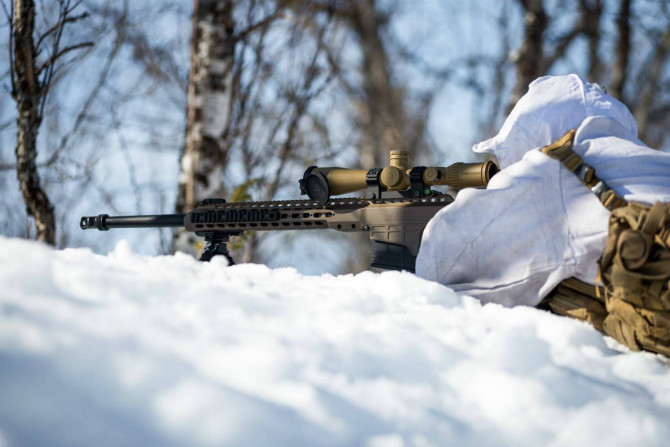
(536, 223)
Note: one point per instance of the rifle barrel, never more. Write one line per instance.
(104, 222)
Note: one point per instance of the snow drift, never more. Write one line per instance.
(131, 350)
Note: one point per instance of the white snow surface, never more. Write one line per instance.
(136, 351)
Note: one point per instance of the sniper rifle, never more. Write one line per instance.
(399, 201)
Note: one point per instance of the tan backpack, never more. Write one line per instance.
(635, 267)
(633, 305)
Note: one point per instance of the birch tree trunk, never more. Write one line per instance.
(206, 147)
(27, 93)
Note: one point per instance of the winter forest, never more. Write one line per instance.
(150, 107)
(124, 338)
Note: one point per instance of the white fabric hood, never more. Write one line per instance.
(552, 106)
(536, 223)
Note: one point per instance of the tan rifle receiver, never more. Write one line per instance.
(398, 204)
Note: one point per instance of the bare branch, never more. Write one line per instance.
(72, 7)
(10, 43)
(102, 77)
(337, 71)
(417, 59)
(123, 146)
(61, 68)
(301, 101)
(563, 42)
(499, 70)
(58, 25)
(62, 52)
(243, 121)
(260, 24)
(644, 114)
(4, 8)
(46, 83)
(83, 113)
(6, 124)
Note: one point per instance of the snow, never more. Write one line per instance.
(132, 350)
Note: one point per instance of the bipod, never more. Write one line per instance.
(216, 244)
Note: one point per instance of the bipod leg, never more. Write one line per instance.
(216, 244)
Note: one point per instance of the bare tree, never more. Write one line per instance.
(591, 13)
(30, 83)
(529, 60)
(652, 101)
(380, 107)
(620, 66)
(273, 139)
(629, 59)
(381, 120)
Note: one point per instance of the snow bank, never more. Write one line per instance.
(132, 350)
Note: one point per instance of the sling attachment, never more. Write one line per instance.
(561, 150)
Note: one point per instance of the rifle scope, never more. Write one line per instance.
(321, 183)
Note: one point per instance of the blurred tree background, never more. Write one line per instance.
(149, 107)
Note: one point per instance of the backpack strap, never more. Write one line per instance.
(561, 150)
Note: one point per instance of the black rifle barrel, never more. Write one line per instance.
(104, 222)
